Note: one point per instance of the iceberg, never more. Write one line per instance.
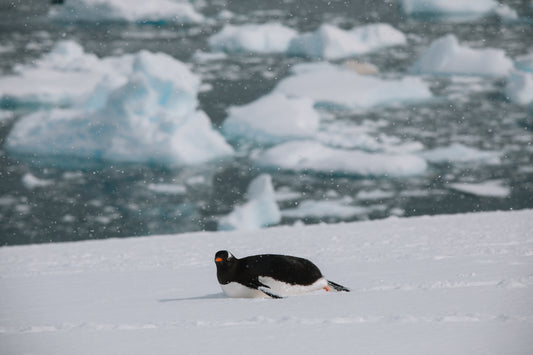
(519, 87)
(448, 7)
(126, 11)
(321, 209)
(331, 42)
(315, 157)
(330, 85)
(445, 56)
(252, 38)
(491, 188)
(152, 118)
(272, 119)
(62, 77)
(459, 153)
(261, 209)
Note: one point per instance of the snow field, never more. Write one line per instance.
(458, 284)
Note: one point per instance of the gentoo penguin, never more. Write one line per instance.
(269, 276)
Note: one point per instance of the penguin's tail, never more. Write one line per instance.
(338, 287)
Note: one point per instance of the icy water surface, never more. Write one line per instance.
(43, 201)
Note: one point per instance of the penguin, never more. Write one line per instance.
(269, 276)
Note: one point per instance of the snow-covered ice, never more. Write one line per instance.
(313, 156)
(331, 85)
(458, 284)
(261, 209)
(126, 11)
(460, 153)
(272, 119)
(491, 188)
(519, 87)
(446, 56)
(253, 38)
(154, 121)
(331, 42)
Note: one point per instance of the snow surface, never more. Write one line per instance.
(126, 11)
(445, 56)
(331, 42)
(153, 106)
(254, 38)
(272, 119)
(458, 284)
(316, 157)
(261, 209)
(331, 85)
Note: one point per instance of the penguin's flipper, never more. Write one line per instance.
(338, 287)
(266, 290)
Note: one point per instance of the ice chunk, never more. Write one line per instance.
(331, 42)
(150, 119)
(519, 87)
(492, 188)
(264, 38)
(447, 7)
(261, 209)
(126, 11)
(63, 77)
(327, 208)
(272, 119)
(330, 85)
(316, 157)
(31, 181)
(446, 56)
(525, 62)
(459, 153)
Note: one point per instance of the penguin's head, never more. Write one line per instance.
(224, 258)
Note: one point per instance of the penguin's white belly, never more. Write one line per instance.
(282, 289)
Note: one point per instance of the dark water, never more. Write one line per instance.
(114, 201)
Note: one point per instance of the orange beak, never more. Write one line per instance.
(217, 260)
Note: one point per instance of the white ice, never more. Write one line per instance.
(331, 85)
(446, 56)
(491, 188)
(338, 208)
(519, 87)
(31, 181)
(260, 210)
(457, 8)
(331, 42)
(459, 153)
(252, 38)
(126, 11)
(272, 119)
(154, 121)
(457, 284)
(316, 157)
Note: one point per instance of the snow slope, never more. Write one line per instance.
(458, 284)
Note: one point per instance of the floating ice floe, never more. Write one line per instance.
(326, 208)
(331, 42)
(519, 87)
(492, 188)
(126, 11)
(525, 62)
(264, 38)
(272, 119)
(316, 157)
(459, 153)
(445, 56)
(330, 85)
(457, 8)
(152, 118)
(63, 77)
(261, 209)
(31, 181)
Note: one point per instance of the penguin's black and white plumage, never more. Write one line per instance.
(269, 275)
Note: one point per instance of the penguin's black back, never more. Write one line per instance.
(289, 269)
